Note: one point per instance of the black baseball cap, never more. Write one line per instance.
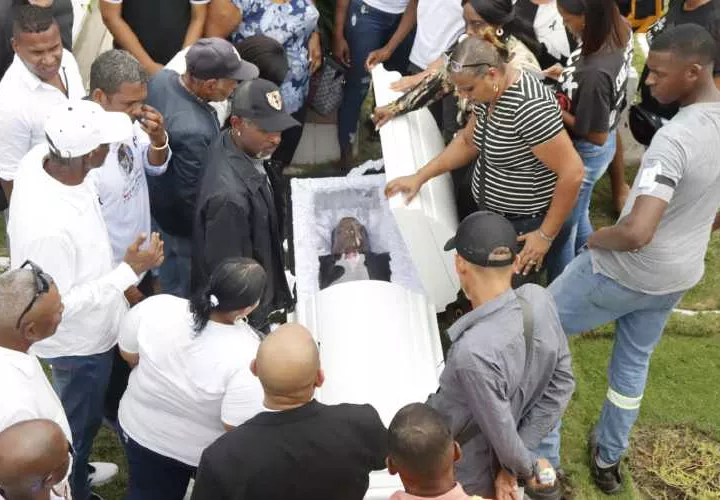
(260, 102)
(215, 58)
(482, 233)
(267, 54)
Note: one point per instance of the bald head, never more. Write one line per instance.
(31, 451)
(17, 288)
(288, 362)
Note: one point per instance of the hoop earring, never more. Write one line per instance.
(499, 32)
(495, 88)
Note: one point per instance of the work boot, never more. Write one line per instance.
(607, 479)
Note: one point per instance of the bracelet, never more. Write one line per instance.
(164, 146)
(545, 236)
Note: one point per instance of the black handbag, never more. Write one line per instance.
(326, 87)
(644, 124)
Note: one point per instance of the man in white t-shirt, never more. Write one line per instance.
(55, 220)
(363, 27)
(30, 311)
(119, 83)
(34, 461)
(41, 76)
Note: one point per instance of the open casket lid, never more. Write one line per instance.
(408, 143)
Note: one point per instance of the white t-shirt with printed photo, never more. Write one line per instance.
(123, 190)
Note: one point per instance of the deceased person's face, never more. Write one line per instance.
(349, 236)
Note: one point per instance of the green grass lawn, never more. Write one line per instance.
(683, 385)
(682, 389)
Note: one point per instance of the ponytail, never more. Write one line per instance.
(201, 306)
(492, 38)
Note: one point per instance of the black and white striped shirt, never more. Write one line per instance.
(513, 180)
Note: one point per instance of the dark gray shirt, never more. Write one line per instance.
(483, 381)
(597, 87)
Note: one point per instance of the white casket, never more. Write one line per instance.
(379, 341)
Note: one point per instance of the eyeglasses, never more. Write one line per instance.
(42, 286)
(456, 67)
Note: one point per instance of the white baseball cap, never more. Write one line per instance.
(78, 127)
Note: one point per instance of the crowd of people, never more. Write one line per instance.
(145, 222)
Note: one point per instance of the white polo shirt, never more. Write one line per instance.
(61, 229)
(123, 190)
(25, 104)
(439, 24)
(186, 385)
(26, 394)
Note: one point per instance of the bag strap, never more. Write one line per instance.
(472, 429)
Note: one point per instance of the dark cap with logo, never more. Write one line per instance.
(260, 102)
(482, 233)
(215, 58)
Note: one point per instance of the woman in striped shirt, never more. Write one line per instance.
(526, 168)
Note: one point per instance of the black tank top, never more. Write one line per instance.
(160, 25)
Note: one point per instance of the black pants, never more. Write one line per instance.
(291, 138)
(120, 369)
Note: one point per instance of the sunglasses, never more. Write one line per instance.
(456, 67)
(42, 286)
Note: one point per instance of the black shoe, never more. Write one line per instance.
(607, 479)
(553, 493)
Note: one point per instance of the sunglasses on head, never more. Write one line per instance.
(42, 286)
(457, 67)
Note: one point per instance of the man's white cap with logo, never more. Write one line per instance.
(76, 128)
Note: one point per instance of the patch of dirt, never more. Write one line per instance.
(675, 463)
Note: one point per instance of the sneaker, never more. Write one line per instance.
(607, 479)
(101, 473)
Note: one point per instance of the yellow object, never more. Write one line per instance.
(642, 25)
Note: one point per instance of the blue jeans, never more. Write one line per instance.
(366, 29)
(577, 229)
(81, 382)
(153, 476)
(586, 300)
(174, 273)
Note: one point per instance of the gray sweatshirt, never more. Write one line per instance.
(483, 381)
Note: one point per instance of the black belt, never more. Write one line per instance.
(521, 216)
